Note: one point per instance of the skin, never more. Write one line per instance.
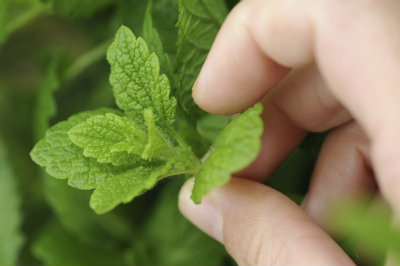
(316, 65)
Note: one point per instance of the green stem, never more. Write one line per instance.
(26, 17)
(86, 60)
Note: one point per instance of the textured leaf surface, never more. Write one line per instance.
(11, 238)
(99, 134)
(136, 80)
(157, 146)
(198, 25)
(184, 245)
(55, 246)
(236, 147)
(64, 160)
(124, 187)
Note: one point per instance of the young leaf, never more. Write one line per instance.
(157, 145)
(109, 138)
(150, 35)
(236, 147)
(64, 160)
(136, 80)
(126, 186)
(11, 238)
(198, 25)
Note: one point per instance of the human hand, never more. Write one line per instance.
(316, 65)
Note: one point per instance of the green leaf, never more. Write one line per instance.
(55, 246)
(78, 8)
(184, 245)
(11, 238)
(157, 146)
(126, 186)
(198, 24)
(150, 35)
(235, 148)
(136, 80)
(64, 160)
(109, 138)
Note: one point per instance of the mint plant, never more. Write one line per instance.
(123, 153)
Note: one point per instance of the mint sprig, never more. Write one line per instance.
(123, 154)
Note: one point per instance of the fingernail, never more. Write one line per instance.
(205, 216)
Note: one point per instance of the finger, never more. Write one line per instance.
(300, 103)
(260, 226)
(342, 170)
(356, 45)
(236, 73)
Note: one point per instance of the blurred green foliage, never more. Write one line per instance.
(52, 65)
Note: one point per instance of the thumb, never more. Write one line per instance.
(260, 226)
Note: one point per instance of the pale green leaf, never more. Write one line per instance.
(157, 146)
(236, 147)
(64, 160)
(136, 80)
(126, 186)
(198, 25)
(98, 135)
(11, 238)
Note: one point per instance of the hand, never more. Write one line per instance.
(316, 65)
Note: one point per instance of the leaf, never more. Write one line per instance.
(55, 246)
(236, 147)
(136, 80)
(157, 146)
(184, 245)
(198, 24)
(150, 35)
(99, 134)
(64, 160)
(78, 8)
(11, 238)
(126, 186)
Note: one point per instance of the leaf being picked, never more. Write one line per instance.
(235, 148)
(64, 160)
(136, 80)
(11, 238)
(126, 186)
(109, 138)
(198, 24)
